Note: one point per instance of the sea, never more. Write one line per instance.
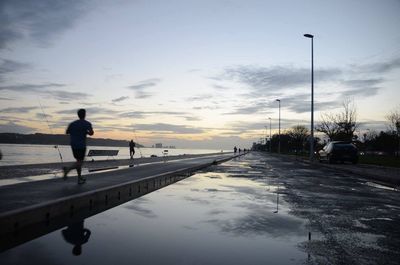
(23, 154)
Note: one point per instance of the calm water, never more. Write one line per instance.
(225, 216)
(17, 154)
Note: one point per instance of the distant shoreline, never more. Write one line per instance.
(56, 139)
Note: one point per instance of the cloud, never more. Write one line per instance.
(367, 92)
(10, 66)
(253, 108)
(39, 20)
(380, 67)
(191, 118)
(66, 95)
(297, 103)
(31, 87)
(169, 128)
(120, 99)
(1, 98)
(145, 84)
(362, 87)
(219, 87)
(263, 79)
(46, 90)
(140, 87)
(202, 97)
(89, 111)
(12, 127)
(17, 110)
(43, 116)
(142, 114)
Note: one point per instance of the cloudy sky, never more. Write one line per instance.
(197, 73)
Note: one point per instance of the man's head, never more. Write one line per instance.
(81, 114)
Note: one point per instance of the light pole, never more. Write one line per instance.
(270, 137)
(312, 97)
(279, 130)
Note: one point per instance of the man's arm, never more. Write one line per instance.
(90, 130)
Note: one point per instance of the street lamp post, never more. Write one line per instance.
(279, 130)
(312, 97)
(270, 137)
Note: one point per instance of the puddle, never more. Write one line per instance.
(209, 218)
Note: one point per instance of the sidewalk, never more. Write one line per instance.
(19, 171)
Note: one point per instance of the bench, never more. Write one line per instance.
(97, 152)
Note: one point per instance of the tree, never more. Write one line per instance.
(340, 126)
(394, 127)
(394, 121)
(298, 135)
(328, 125)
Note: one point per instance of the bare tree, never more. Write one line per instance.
(328, 125)
(394, 126)
(394, 120)
(298, 134)
(340, 126)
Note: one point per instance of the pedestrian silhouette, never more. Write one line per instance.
(76, 235)
(78, 131)
(132, 148)
(235, 149)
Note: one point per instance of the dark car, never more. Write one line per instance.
(338, 151)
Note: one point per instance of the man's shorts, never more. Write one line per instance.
(79, 154)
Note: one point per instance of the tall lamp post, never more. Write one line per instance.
(312, 97)
(270, 137)
(279, 130)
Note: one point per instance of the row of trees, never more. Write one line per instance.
(339, 127)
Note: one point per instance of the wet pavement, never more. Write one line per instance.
(255, 209)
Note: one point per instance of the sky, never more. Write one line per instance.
(195, 73)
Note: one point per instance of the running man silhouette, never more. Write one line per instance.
(132, 148)
(78, 131)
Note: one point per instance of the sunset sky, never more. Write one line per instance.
(195, 74)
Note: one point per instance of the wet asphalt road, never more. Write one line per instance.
(351, 220)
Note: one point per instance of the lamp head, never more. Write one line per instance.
(278, 100)
(308, 36)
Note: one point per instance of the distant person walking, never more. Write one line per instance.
(78, 131)
(132, 148)
(235, 149)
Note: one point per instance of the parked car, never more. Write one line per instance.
(339, 151)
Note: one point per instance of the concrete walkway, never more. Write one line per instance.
(18, 171)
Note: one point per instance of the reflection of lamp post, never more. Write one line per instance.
(277, 200)
(312, 97)
(279, 130)
(270, 137)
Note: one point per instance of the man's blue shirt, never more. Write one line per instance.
(78, 131)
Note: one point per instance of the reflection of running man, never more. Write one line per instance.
(78, 131)
(77, 235)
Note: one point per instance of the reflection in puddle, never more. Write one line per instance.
(210, 218)
(379, 186)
